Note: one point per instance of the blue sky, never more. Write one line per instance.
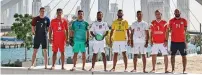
(128, 8)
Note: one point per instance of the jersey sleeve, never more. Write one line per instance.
(126, 25)
(48, 21)
(51, 24)
(92, 28)
(113, 25)
(170, 24)
(34, 21)
(86, 25)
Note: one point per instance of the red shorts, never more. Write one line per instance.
(58, 46)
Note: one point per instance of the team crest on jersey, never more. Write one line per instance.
(182, 22)
(45, 21)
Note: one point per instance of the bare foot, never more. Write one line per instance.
(133, 70)
(112, 70)
(73, 69)
(52, 68)
(92, 69)
(31, 67)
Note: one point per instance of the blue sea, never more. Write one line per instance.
(13, 54)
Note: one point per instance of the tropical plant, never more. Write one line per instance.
(22, 28)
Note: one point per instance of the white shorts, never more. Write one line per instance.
(159, 47)
(139, 48)
(98, 46)
(119, 46)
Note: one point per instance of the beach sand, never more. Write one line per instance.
(194, 65)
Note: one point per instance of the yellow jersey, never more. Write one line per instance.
(120, 29)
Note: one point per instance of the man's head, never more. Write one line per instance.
(99, 15)
(139, 15)
(42, 11)
(177, 13)
(80, 14)
(120, 13)
(158, 14)
(59, 12)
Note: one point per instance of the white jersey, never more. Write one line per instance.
(99, 27)
(139, 31)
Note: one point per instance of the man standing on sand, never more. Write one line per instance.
(40, 26)
(59, 28)
(140, 37)
(80, 36)
(120, 35)
(159, 40)
(99, 28)
(178, 28)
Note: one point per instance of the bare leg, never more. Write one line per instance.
(125, 59)
(184, 62)
(173, 62)
(45, 58)
(134, 62)
(54, 60)
(74, 61)
(93, 61)
(114, 61)
(63, 59)
(166, 63)
(144, 62)
(83, 60)
(33, 58)
(104, 61)
(154, 62)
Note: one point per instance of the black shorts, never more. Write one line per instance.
(40, 41)
(175, 46)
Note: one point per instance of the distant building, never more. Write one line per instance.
(47, 11)
(36, 5)
(85, 6)
(183, 6)
(148, 8)
(103, 6)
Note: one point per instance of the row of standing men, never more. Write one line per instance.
(137, 36)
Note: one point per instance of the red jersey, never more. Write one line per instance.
(58, 27)
(158, 31)
(177, 27)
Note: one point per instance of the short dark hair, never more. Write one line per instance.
(80, 11)
(139, 12)
(99, 12)
(42, 8)
(120, 10)
(157, 11)
(59, 9)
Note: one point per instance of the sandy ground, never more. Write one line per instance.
(194, 65)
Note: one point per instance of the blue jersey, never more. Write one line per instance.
(79, 28)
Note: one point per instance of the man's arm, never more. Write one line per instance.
(50, 34)
(33, 25)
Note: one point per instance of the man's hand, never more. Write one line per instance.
(50, 40)
(146, 44)
(165, 44)
(33, 32)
